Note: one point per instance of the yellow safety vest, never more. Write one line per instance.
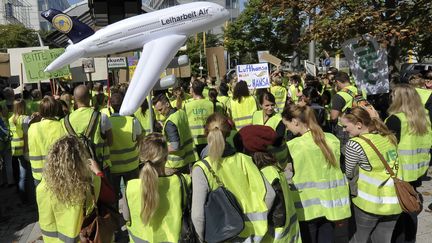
(248, 187)
(376, 191)
(79, 120)
(59, 222)
(186, 153)
(107, 111)
(413, 151)
(241, 112)
(124, 149)
(144, 120)
(17, 143)
(41, 136)
(280, 93)
(347, 97)
(424, 94)
(273, 121)
(197, 112)
(290, 232)
(293, 92)
(166, 223)
(225, 100)
(319, 189)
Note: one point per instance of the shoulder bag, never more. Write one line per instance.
(224, 219)
(409, 199)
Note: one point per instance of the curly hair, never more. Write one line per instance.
(66, 173)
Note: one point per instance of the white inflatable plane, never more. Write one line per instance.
(160, 34)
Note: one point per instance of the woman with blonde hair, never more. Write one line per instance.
(411, 125)
(320, 190)
(376, 205)
(18, 124)
(238, 174)
(156, 201)
(64, 195)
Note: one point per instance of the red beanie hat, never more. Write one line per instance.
(256, 138)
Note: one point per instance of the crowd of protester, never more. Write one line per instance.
(294, 156)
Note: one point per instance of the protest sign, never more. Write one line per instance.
(310, 68)
(255, 75)
(271, 59)
(35, 63)
(216, 64)
(368, 63)
(88, 65)
(259, 53)
(116, 62)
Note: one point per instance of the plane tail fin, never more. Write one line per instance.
(74, 29)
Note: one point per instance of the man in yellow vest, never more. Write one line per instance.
(176, 130)
(124, 149)
(341, 101)
(80, 120)
(197, 111)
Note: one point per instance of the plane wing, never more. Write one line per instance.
(155, 57)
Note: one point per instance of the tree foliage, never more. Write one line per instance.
(258, 29)
(16, 35)
(399, 25)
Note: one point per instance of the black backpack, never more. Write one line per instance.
(88, 135)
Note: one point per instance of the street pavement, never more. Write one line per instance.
(18, 222)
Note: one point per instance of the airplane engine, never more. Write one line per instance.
(165, 82)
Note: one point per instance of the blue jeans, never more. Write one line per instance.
(26, 185)
(379, 228)
(318, 230)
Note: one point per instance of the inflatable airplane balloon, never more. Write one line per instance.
(160, 34)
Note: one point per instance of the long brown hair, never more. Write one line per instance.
(154, 153)
(405, 99)
(358, 114)
(306, 115)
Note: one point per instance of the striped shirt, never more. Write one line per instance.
(355, 155)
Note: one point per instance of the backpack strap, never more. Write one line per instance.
(184, 190)
(69, 127)
(91, 128)
(348, 91)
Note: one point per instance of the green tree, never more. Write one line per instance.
(263, 27)
(399, 25)
(16, 35)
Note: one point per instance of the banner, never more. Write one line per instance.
(88, 65)
(368, 63)
(117, 62)
(35, 63)
(255, 75)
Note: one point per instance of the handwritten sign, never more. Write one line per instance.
(255, 75)
(35, 63)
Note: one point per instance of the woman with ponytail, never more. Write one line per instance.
(376, 205)
(155, 200)
(320, 190)
(238, 174)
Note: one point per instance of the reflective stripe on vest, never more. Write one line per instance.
(291, 229)
(197, 111)
(249, 190)
(376, 192)
(166, 223)
(16, 128)
(124, 150)
(242, 112)
(186, 153)
(319, 189)
(41, 136)
(413, 151)
(60, 236)
(79, 120)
